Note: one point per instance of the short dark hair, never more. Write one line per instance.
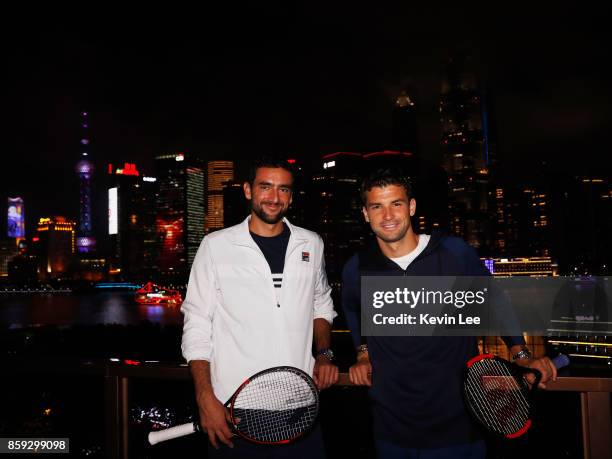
(385, 177)
(269, 161)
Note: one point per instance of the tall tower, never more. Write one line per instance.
(334, 206)
(219, 172)
(179, 212)
(466, 146)
(84, 169)
(131, 222)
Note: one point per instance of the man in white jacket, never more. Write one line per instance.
(257, 296)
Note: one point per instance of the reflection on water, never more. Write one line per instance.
(83, 309)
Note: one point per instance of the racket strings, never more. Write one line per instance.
(507, 398)
(478, 401)
(498, 400)
(508, 405)
(517, 392)
(276, 407)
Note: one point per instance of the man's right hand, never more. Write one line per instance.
(360, 374)
(214, 419)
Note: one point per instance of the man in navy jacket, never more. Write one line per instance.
(415, 382)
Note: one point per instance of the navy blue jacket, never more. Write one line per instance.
(416, 391)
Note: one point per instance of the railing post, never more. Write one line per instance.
(111, 415)
(125, 415)
(116, 398)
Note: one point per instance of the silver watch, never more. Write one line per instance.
(522, 354)
(361, 348)
(326, 352)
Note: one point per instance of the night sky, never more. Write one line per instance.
(305, 81)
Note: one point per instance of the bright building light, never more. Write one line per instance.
(112, 211)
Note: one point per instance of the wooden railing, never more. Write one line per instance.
(118, 375)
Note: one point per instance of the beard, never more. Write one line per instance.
(270, 219)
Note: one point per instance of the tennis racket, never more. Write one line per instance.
(274, 406)
(498, 395)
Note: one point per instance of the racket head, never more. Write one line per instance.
(275, 406)
(498, 396)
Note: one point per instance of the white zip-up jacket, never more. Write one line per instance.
(232, 317)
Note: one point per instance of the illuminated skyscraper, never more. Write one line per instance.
(467, 158)
(56, 246)
(15, 219)
(335, 208)
(510, 221)
(219, 172)
(84, 169)
(196, 208)
(131, 222)
(538, 214)
(179, 212)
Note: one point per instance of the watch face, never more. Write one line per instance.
(522, 354)
(327, 353)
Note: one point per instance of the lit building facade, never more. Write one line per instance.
(131, 223)
(219, 172)
(55, 246)
(335, 208)
(510, 221)
(15, 219)
(533, 266)
(538, 221)
(180, 211)
(466, 155)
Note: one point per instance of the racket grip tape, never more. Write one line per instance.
(172, 432)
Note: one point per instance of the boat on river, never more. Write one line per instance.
(153, 294)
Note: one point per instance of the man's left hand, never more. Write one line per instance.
(325, 373)
(544, 365)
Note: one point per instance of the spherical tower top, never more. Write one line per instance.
(84, 166)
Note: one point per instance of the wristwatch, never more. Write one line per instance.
(326, 352)
(524, 353)
(361, 348)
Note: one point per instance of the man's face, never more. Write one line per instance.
(270, 194)
(388, 210)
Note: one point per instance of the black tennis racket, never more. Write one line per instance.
(274, 406)
(498, 395)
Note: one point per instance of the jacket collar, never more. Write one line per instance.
(240, 234)
(372, 257)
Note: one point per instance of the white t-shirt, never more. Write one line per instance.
(405, 261)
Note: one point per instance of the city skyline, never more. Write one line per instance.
(234, 88)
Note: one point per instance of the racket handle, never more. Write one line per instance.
(561, 361)
(173, 432)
